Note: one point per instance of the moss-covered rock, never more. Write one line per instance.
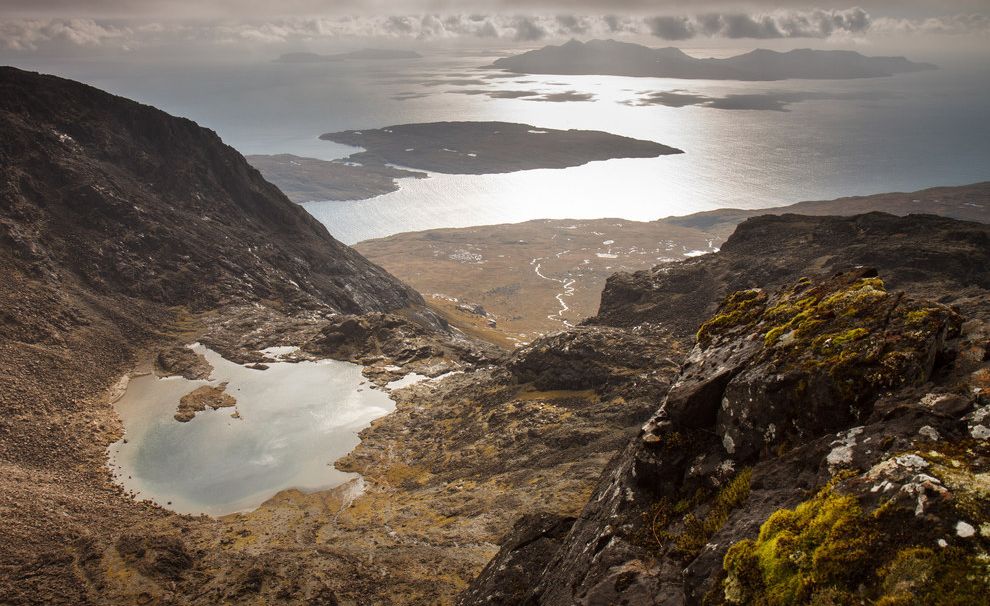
(912, 545)
(829, 348)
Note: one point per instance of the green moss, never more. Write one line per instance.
(822, 543)
(828, 550)
(687, 542)
(858, 298)
(946, 577)
(919, 317)
(739, 308)
(697, 531)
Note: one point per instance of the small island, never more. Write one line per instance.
(612, 58)
(309, 179)
(489, 147)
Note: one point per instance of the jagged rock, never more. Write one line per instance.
(806, 361)
(507, 579)
(472, 308)
(593, 357)
(859, 442)
(375, 336)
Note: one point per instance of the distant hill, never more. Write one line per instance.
(609, 57)
(363, 54)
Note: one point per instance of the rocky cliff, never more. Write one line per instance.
(937, 257)
(825, 441)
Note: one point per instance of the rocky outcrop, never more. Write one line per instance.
(385, 342)
(525, 552)
(929, 256)
(601, 358)
(818, 447)
(177, 360)
(199, 399)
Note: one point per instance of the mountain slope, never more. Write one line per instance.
(122, 228)
(134, 201)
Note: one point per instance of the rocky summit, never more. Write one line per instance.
(822, 444)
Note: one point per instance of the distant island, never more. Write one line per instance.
(612, 58)
(489, 147)
(308, 179)
(376, 54)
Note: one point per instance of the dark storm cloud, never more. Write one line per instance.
(746, 26)
(572, 24)
(814, 23)
(528, 30)
(671, 28)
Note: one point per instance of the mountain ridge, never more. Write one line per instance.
(609, 57)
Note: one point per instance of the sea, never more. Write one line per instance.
(823, 140)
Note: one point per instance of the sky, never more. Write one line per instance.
(71, 27)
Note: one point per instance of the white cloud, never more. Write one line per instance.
(32, 34)
(28, 34)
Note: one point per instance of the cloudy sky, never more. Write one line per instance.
(72, 26)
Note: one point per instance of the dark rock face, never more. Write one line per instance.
(933, 257)
(595, 358)
(130, 200)
(827, 351)
(377, 339)
(831, 411)
(525, 552)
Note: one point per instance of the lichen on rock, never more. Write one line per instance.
(829, 348)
